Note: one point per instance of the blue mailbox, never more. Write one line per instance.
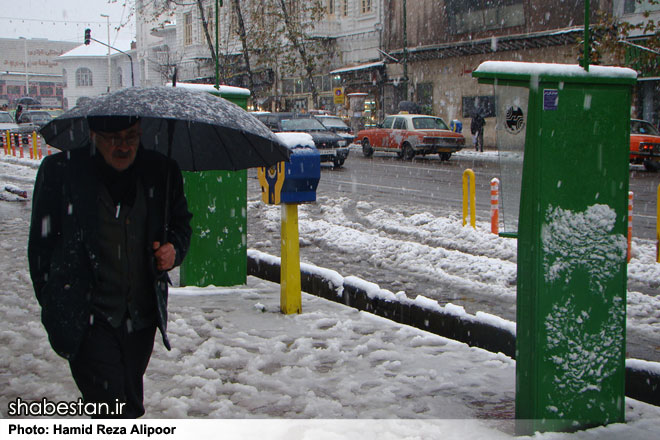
(294, 181)
(456, 125)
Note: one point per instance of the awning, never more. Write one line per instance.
(358, 67)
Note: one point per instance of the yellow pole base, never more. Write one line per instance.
(290, 294)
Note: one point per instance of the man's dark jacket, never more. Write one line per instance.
(63, 247)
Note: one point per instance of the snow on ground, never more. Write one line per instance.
(236, 357)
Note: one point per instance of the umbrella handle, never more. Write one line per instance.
(170, 137)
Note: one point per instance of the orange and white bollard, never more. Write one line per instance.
(495, 205)
(630, 210)
(16, 138)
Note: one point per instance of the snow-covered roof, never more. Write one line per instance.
(95, 49)
(573, 71)
(211, 88)
(358, 67)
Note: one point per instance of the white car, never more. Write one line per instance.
(7, 122)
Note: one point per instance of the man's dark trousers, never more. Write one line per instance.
(110, 365)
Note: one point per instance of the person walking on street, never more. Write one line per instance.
(477, 130)
(99, 257)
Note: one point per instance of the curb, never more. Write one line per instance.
(482, 330)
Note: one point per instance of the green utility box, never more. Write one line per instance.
(218, 202)
(563, 136)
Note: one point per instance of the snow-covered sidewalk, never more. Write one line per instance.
(236, 356)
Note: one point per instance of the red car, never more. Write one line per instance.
(409, 135)
(644, 144)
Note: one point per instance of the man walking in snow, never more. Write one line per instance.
(98, 261)
(477, 130)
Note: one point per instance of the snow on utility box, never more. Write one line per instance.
(562, 136)
(294, 181)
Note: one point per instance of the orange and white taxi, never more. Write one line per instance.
(409, 135)
(644, 144)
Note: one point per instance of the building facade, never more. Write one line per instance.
(646, 104)
(381, 53)
(436, 62)
(31, 67)
(89, 70)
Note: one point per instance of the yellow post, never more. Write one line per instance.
(657, 228)
(290, 295)
(34, 145)
(7, 140)
(469, 192)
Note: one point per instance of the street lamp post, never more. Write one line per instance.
(107, 17)
(25, 61)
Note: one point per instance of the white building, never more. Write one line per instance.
(177, 37)
(89, 71)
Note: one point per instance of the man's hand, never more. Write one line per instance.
(165, 255)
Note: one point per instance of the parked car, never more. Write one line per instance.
(332, 147)
(409, 135)
(337, 124)
(644, 144)
(33, 120)
(7, 122)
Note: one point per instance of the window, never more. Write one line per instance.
(344, 8)
(399, 124)
(330, 7)
(64, 78)
(187, 29)
(482, 15)
(84, 77)
(119, 78)
(14, 90)
(366, 6)
(210, 21)
(46, 90)
(639, 6)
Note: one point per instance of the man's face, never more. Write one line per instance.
(118, 148)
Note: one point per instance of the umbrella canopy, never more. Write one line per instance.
(209, 133)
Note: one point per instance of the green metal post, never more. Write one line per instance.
(572, 227)
(218, 201)
(586, 35)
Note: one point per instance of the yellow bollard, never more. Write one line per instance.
(33, 150)
(468, 194)
(7, 140)
(290, 293)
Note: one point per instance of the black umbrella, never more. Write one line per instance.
(207, 132)
(198, 130)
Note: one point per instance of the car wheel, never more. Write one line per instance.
(651, 166)
(367, 151)
(445, 156)
(338, 162)
(407, 151)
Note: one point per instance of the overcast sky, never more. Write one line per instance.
(64, 20)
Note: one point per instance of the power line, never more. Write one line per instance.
(57, 21)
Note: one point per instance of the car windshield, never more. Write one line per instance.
(301, 124)
(334, 123)
(643, 127)
(429, 124)
(40, 117)
(6, 118)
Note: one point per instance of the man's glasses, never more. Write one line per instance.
(115, 141)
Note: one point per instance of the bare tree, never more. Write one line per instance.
(299, 20)
(611, 40)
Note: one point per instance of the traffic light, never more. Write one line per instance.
(88, 36)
